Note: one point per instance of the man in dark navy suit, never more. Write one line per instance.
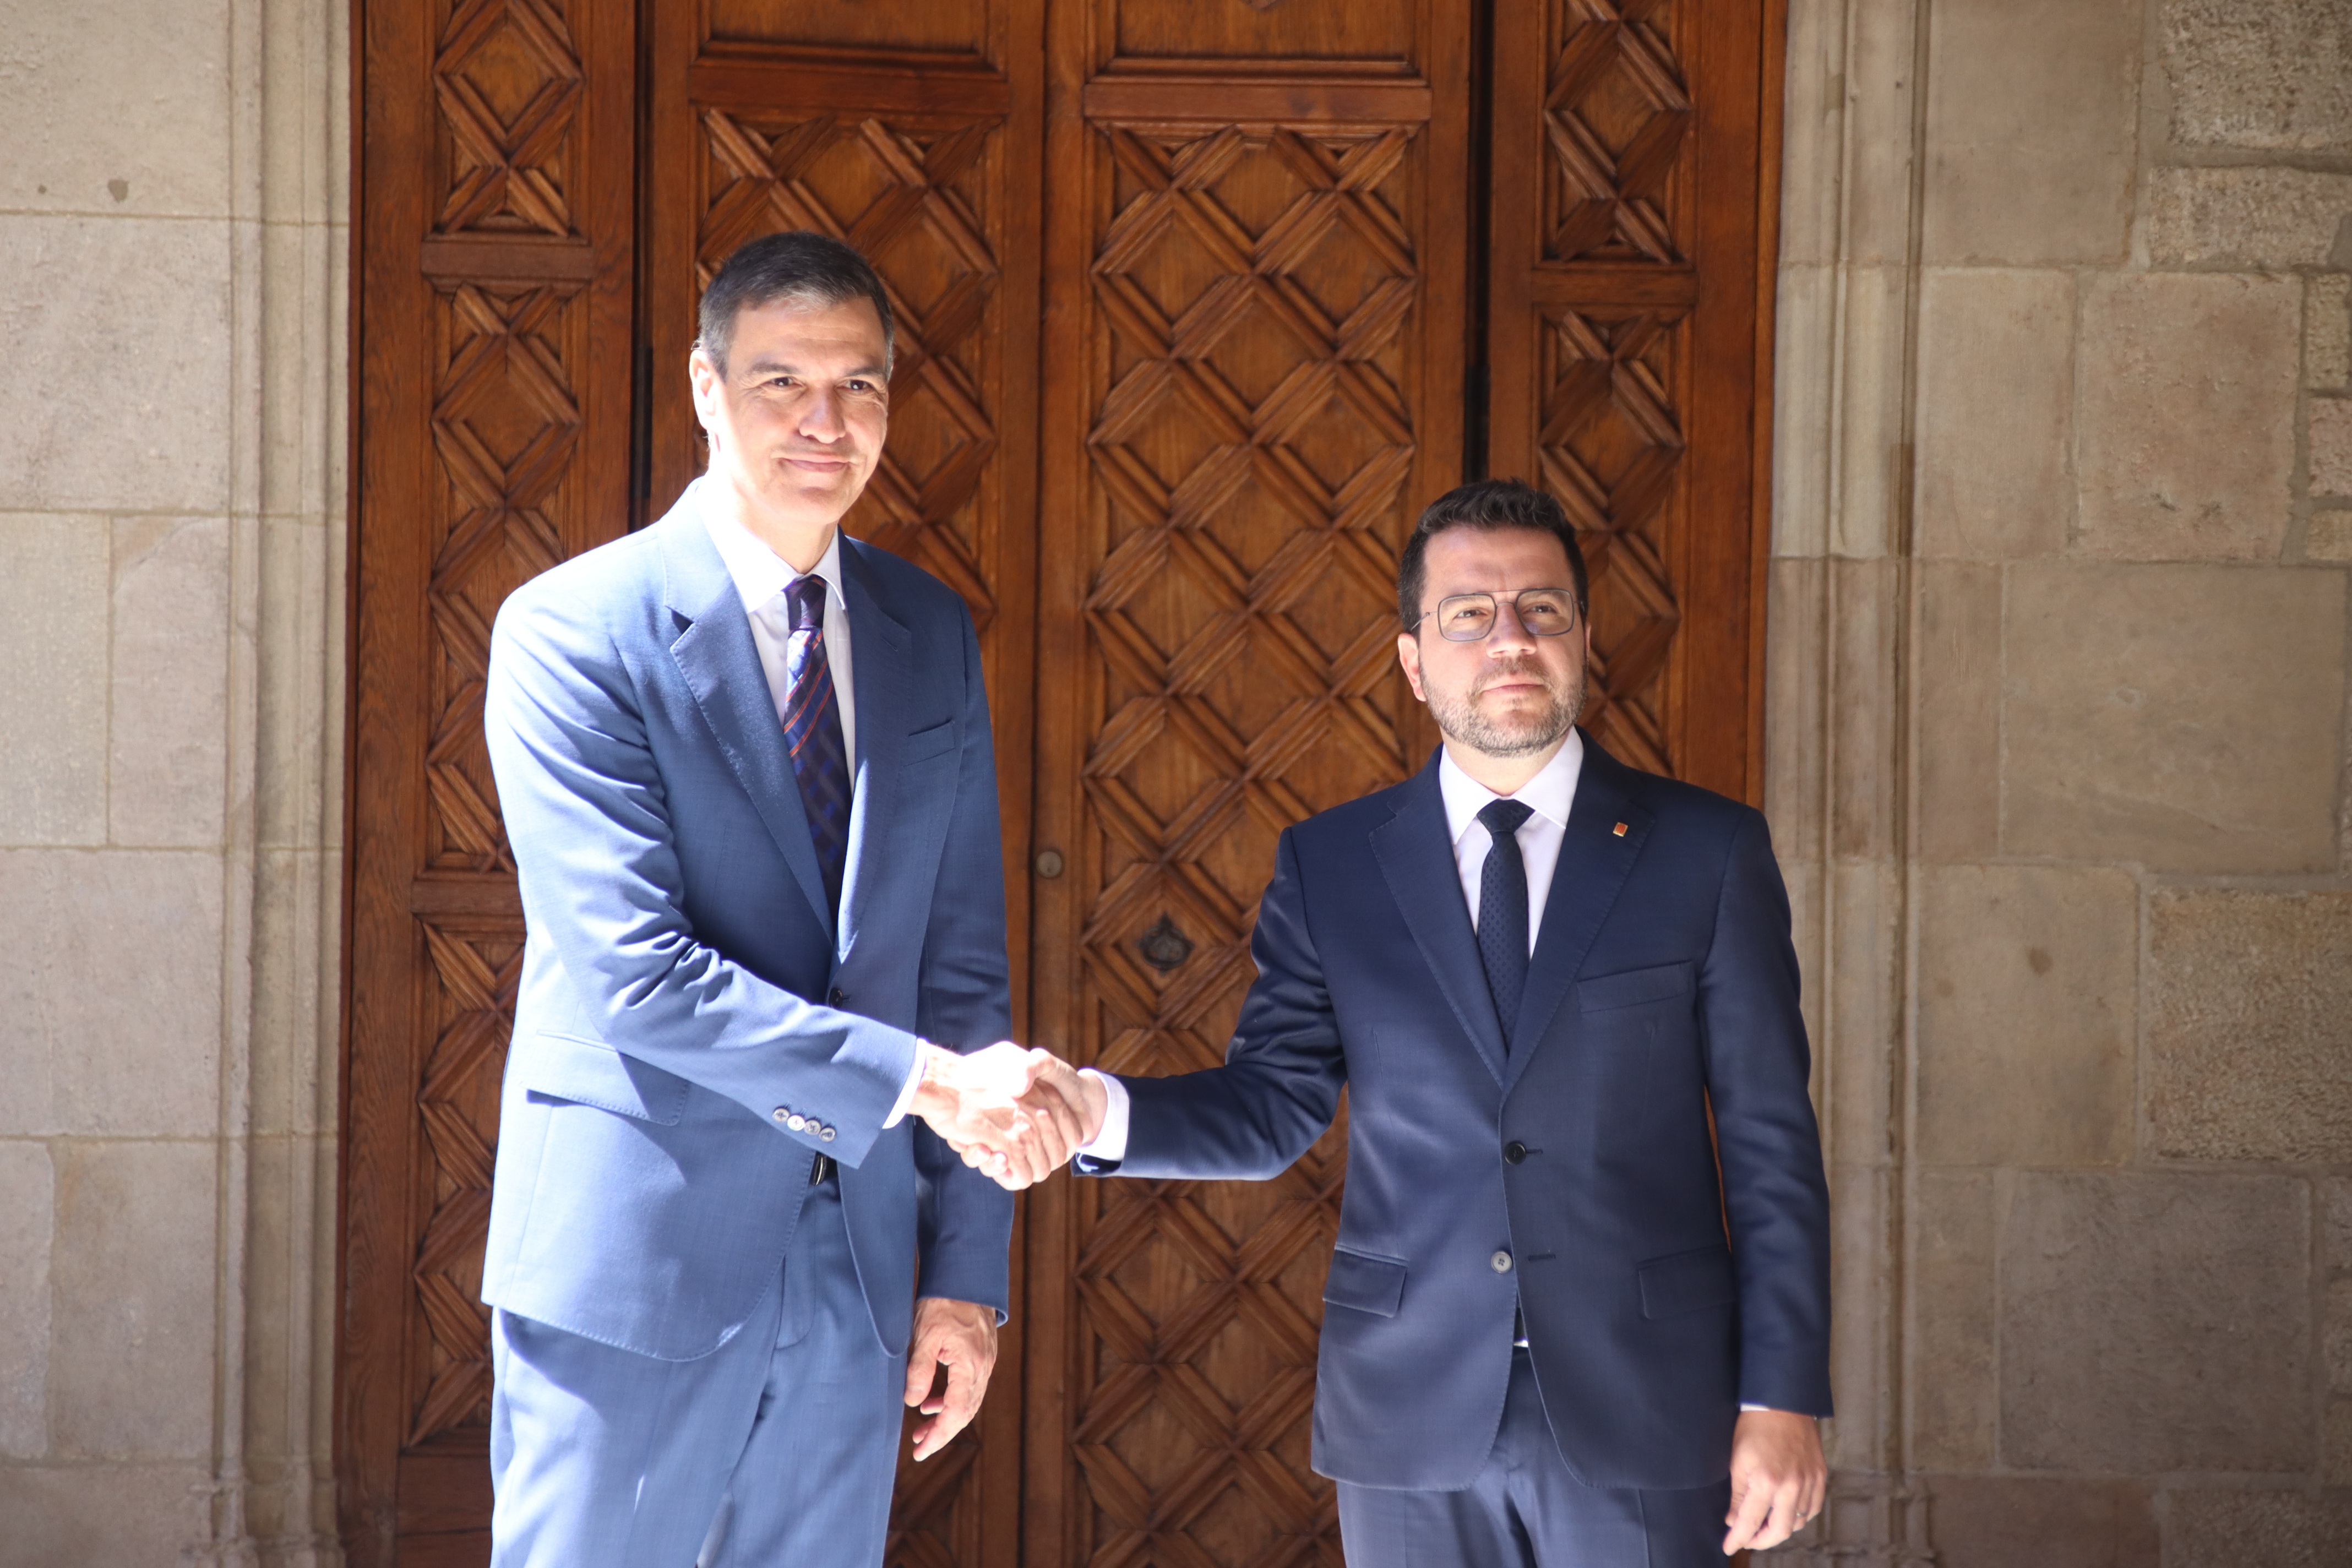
(1562, 1325)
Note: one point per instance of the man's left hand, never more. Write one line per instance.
(1777, 1477)
(962, 1337)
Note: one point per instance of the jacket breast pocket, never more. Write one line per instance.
(925, 745)
(1687, 1282)
(557, 1067)
(1634, 987)
(1365, 1282)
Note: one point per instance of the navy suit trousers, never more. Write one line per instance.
(1526, 1510)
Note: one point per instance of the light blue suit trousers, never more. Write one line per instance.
(776, 1448)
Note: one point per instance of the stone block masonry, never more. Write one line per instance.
(174, 231)
(2058, 762)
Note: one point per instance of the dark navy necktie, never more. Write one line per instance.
(813, 732)
(1503, 911)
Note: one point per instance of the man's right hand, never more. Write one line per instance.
(1087, 1099)
(1005, 1105)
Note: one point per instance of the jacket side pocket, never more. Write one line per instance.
(1365, 1282)
(1687, 1282)
(557, 1067)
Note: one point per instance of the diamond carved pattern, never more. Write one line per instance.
(508, 81)
(474, 971)
(910, 196)
(1612, 448)
(1192, 1439)
(1616, 113)
(1250, 449)
(934, 1510)
(506, 425)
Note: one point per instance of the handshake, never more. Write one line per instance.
(1015, 1115)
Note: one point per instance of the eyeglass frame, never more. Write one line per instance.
(1495, 602)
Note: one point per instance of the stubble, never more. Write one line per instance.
(1514, 735)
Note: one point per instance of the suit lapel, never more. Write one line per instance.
(881, 672)
(1594, 861)
(721, 666)
(1416, 856)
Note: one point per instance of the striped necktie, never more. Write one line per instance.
(813, 732)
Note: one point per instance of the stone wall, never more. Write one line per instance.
(2058, 766)
(172, 325)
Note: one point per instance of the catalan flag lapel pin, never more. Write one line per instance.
(1618, 830)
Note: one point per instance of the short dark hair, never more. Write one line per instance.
(1489, 506)
(800, 265)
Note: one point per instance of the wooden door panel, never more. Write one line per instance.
(1301, 38)
(1630, 345)
(891, 29)
(1257, 306)
(912, 131)
(496, 242)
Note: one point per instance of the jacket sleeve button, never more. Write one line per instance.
(797, 1123)
(825, 1134)
(783, 1113)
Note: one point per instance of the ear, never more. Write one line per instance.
(1408, 659)
(704, 377)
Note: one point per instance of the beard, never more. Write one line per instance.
(1519, 734)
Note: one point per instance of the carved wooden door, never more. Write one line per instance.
(1197, 299)
(490, 441)
(1257, 261)
(1258, 254)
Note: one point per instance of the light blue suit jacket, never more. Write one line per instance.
(685, 988)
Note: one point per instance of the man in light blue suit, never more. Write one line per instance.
(1578, 1314)
(746, 769)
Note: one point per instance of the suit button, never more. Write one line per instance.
(783, 1113)
(839, 998)
(1514, 1151)
(797, 1123)
(1501, 1261)
(825, 1134)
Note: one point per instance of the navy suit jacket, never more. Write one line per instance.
(686, 989)
(1658, 1297)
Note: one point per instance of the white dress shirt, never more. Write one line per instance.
(760, 577)
(1549, 795)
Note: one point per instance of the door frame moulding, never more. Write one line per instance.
(1839, 693)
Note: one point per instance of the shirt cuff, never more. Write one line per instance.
(1110, 1141)
(907, 1089)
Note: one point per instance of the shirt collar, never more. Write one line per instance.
(1549, 795)
(760, 573)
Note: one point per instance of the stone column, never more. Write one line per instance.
(1837, 786)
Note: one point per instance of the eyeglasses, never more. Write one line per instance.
(1470, 617)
